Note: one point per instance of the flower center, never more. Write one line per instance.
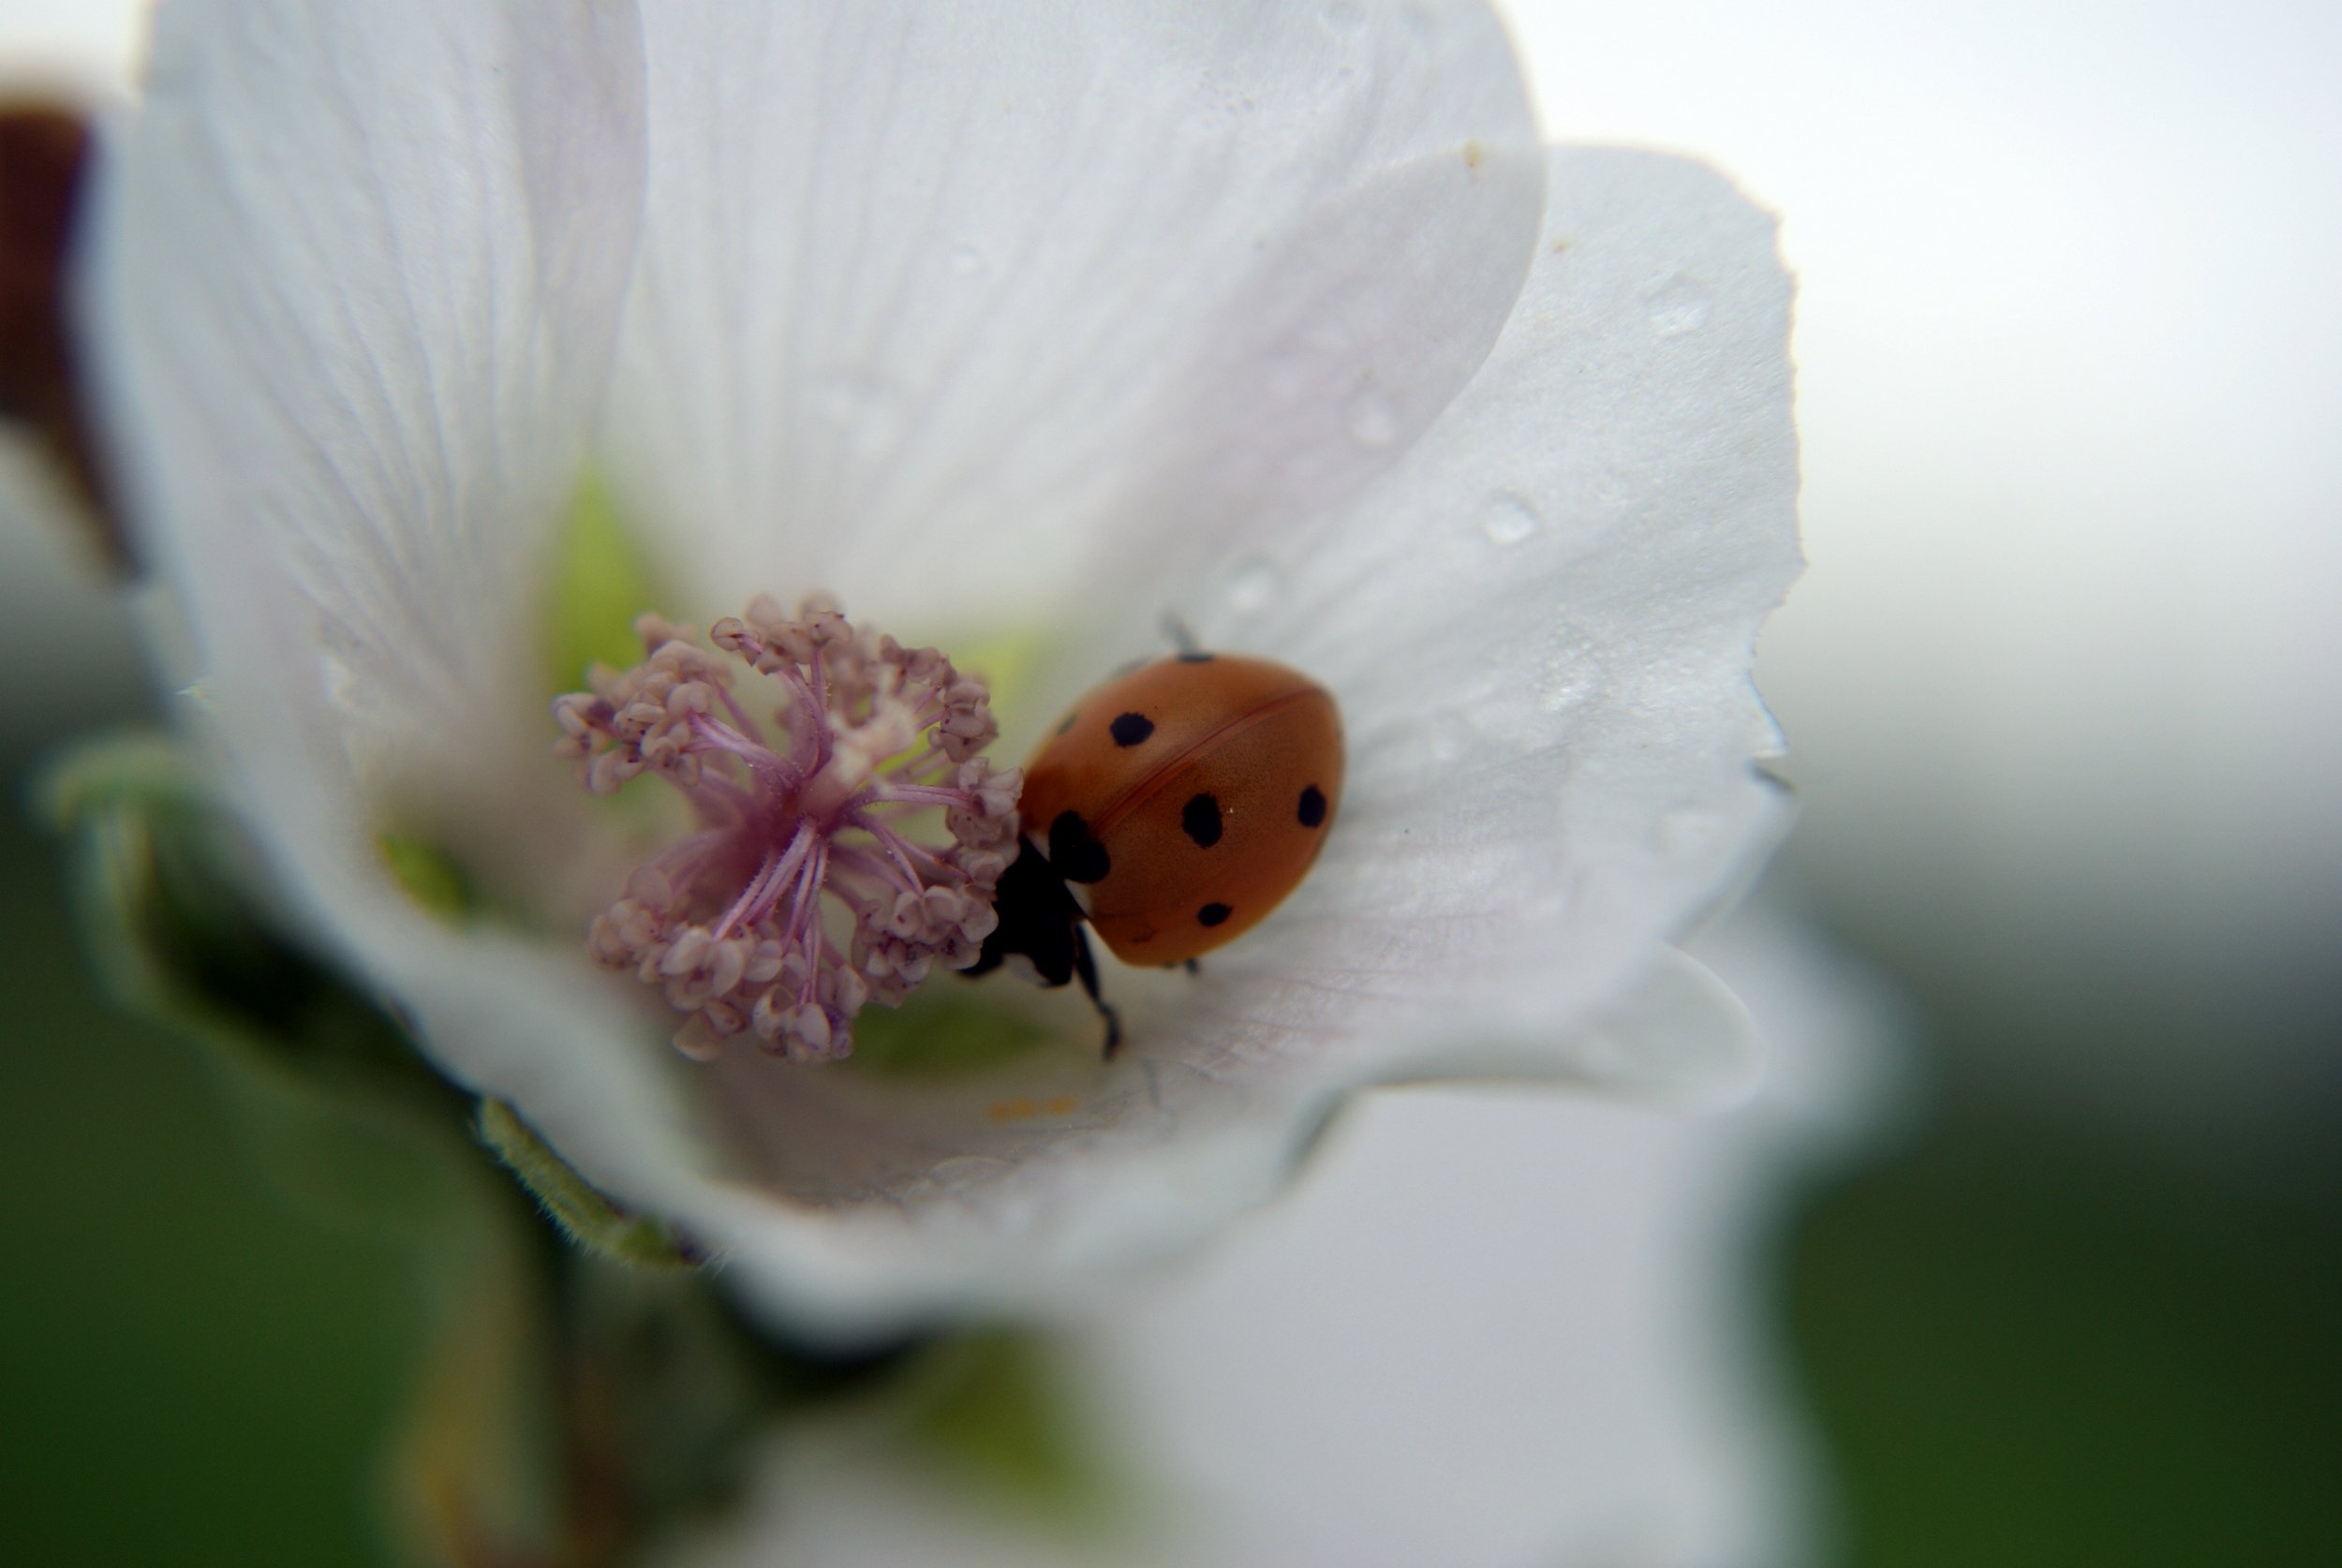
(730, 921)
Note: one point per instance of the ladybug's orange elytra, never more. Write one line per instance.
(1188, 798)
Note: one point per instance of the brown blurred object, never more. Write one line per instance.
(44, 153)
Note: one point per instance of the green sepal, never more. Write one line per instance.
(576, 1207)
(162, 889)
(139, 765)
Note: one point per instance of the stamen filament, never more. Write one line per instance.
(927, 794)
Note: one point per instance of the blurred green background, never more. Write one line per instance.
(2030, 1337)
(192, 1374)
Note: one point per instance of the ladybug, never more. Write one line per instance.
(1170, 810)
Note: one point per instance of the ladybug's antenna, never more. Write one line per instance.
(1180, 634)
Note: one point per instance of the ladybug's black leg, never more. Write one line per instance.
(1085, 970)
(1037, 919)
(1193, 965)
(1040, 923)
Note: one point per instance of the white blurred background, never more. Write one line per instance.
(2063, 686)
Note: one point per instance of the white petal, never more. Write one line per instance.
(1676, 1032)
(1488, 1333)
(849, 1207)
(357, 273)
(940, 303)
(1540, 628)
(1512, 1333)
(90, 42)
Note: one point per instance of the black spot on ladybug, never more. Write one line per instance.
(1194, 656)
(1131, 728)
(1076, 856)
(1312, 806)
(1214, 914)
(1201, 818)
(1069, 722)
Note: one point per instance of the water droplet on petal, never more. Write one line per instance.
(341, 684)
(1449, 736)
(1254, 584)
(341, 653)
(1571, 671)
(1506, 519)
(1371, 420)
(1678, 305)
(1563, 691)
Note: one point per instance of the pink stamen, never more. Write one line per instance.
(728, 922)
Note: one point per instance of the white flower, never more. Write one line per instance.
(1515, 1332)
(1014, 326)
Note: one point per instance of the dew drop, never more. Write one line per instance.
(341, 684)
(1449, 736)
(1371, 420)
(340, 656)
(1678, 306)
(1570, 672)
(1254, 584)
(1564, 690)
(1506, 519)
